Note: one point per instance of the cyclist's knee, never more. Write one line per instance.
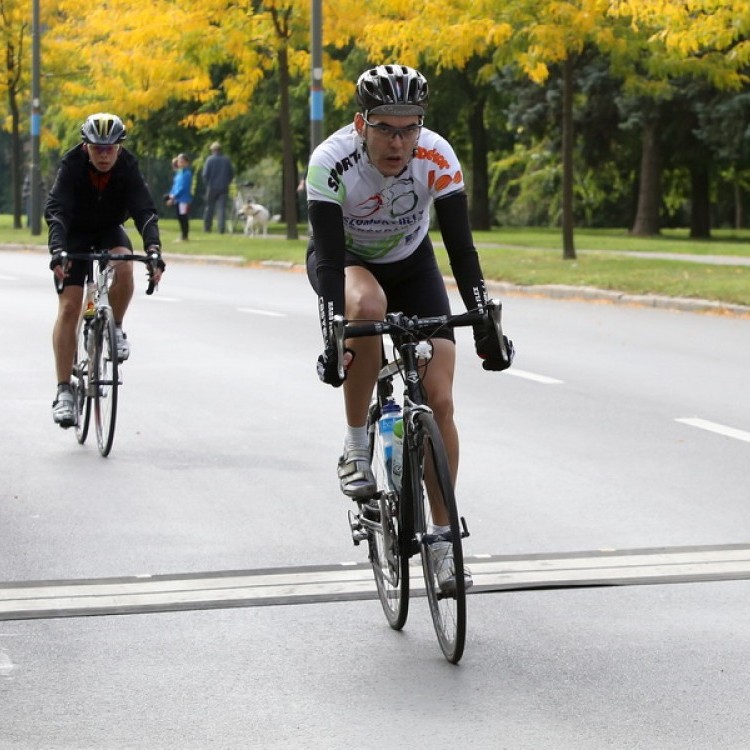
(441, 403)
(365, 309)
(124, 272)
(365, 298)
(69, 304)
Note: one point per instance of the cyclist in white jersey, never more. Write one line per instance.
(370, 187)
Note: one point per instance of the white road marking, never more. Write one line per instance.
(329, 583)
(533, 376)
(253, 311)
(8, 278)
(705, 424)
(162, 298)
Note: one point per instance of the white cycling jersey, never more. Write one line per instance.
(385, 218)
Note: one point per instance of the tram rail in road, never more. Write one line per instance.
(23, 600)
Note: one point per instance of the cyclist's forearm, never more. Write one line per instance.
(453, 219)
(328, 237)
(57, 231)
(148, 226)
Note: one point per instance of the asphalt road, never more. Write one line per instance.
(614, 454)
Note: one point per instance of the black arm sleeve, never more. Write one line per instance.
(327, 222)
(453, 218)
(57, 210)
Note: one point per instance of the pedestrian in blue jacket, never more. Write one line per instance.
(181, 194)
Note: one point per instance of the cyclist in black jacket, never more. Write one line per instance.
(98, 186)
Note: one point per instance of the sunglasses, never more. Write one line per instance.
(407, 133)
(106, 149)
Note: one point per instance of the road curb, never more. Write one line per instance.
(592, 294)
(550, 291)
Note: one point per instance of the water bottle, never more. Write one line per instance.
(89, 337)
(397, 455)
(391, 412)
(89, 310)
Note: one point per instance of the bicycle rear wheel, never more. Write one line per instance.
(105, 381)
(390, 563)
(436, 503)
(81, 383)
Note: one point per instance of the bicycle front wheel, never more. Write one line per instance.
(105, 381)
(81, 392)
(442, 556)
(390, 563)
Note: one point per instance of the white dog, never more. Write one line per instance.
(256, 219)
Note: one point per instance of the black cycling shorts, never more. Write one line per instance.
(413, 286)
(86, 242)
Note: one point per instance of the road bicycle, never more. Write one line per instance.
(396, 522)
(96, 369)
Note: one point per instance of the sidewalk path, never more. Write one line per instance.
(711, 260)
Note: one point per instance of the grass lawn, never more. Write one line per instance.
(526, 256)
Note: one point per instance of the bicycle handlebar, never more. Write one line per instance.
(400, 324)
(104, 255)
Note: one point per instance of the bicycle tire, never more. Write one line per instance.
(430, 466)
(390, 564)
(107, 381)
(81, 392)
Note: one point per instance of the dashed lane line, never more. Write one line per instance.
(336, 583)
(721, 429)
(526, 375)
(267, 313)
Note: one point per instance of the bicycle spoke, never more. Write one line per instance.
(106, 384)
(81, 383)
(389, 564)
(442, 556)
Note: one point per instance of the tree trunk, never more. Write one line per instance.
(646, 222)
(700, 209)
(569, 251)
(480, 194)
(13, 76)
(739, 211)
(287, 144)
(16, 161)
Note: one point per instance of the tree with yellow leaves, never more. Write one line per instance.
(134, 57)
(15, 37)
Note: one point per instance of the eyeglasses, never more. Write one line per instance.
(106, 149)
(407, 133)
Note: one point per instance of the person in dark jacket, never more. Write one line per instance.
(98, 186)
(218, 174)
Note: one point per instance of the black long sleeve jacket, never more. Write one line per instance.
(84, 202)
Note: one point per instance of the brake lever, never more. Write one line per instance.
(495, 312)
(152, 285)
(339, 326)
(64, 265)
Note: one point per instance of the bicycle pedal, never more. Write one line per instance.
(359, 534)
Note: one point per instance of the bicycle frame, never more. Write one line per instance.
(421, 516)
(96, 367)
(403, 331)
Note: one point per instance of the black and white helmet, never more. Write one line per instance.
(103, 129)
(392, 90)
